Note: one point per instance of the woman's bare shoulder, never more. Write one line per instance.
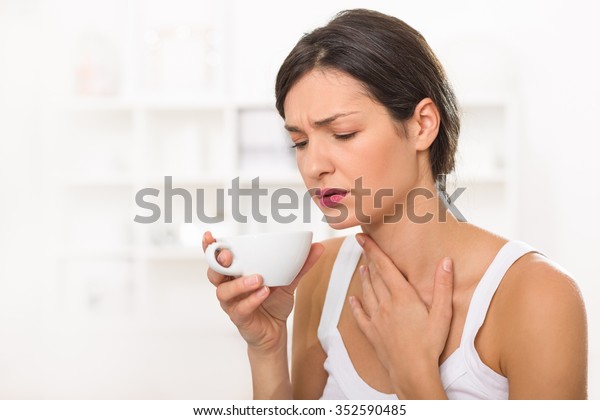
(531, 276)
(543, 330)
(535, 283)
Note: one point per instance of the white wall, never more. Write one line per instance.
(553, 62)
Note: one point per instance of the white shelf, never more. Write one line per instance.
(255, 103)
(473, 100)
(189, 104)
(98, 104)
(162, 104)
(174, 254)
(99, 182)
(189, 181)
(119, 253)
(289, 179)
(283, 179)
(473, 178)
(159, 103)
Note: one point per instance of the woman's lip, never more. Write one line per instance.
(331, 197)
(331, 191)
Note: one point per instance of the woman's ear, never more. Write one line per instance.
(425, 124)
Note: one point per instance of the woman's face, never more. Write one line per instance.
(348, 149)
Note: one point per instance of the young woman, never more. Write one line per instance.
(420, 305)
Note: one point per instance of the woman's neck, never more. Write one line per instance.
(424, 234)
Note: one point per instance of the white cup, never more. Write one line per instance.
(277, 257)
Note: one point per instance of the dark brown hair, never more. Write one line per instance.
(392, 61)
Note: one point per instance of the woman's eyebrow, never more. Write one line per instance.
(320, 123)
(292, 129)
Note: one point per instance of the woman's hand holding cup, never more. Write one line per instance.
(259, 311)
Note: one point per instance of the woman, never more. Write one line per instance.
(419, 305)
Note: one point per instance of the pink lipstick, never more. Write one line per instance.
(330, 197)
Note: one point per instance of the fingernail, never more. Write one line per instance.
(262, 291)
(351, 300)
(360, 239)
(251, 281)
(221, 258)
(447, 264)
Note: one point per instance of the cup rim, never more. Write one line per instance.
(263, 234)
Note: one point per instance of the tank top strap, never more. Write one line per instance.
(341, 274)
(485, 290)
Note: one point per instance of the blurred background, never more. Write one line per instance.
(99, 99)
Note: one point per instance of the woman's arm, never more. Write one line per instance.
(543, 333)
(308, 374)
(270, 373)
(260, 313)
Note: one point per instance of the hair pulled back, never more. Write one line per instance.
(392, 61)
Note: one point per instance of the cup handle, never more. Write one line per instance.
(232, 270)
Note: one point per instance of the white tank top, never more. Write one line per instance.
(463, 374)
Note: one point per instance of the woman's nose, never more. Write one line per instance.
(317, 161)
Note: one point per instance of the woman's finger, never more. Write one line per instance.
(230, 291)
(380, 289)
(382, 268)
(241, 311)
(362, 319)
(225, 258)
(441, 307)
(207, 239)
(370, 299)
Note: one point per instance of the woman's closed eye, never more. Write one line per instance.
(299, 145)
(344, 136)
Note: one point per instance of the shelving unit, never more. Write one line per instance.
(486, 163)
(150, 100)
(102, 195)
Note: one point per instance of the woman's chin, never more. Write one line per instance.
(338, 223)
